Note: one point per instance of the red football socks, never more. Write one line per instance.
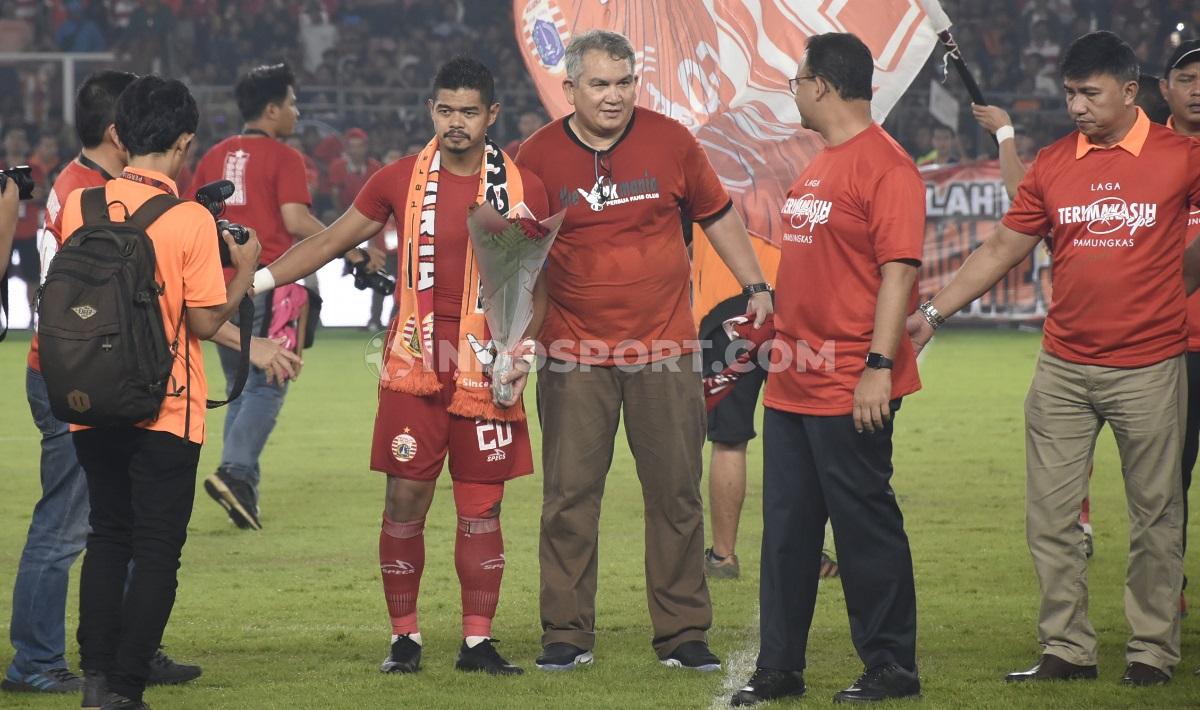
(401, 561)
(479, 559)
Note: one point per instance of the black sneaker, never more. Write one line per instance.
(164, 671)
(116, 701)
(484, 657)
(881, 683)
(563, 657)
(768, 684)
(55, 680)
(405, 657)
(95, 687)
(236, 497)
(694, 655)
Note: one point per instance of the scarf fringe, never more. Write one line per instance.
(417, 381)
(476, 404)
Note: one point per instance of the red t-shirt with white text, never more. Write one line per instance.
(618, 273)
(1118, 220)
(856, 207)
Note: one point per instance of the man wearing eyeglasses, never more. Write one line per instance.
(853, 231)
(621, 341)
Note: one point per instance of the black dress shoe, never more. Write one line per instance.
(881, 683)
(1051, 667)
(1142, 674)
(768, 684)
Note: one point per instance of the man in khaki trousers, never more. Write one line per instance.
(621, 342)
(1114, 196)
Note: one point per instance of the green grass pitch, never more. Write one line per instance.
(294, 617)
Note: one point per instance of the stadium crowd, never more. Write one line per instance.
(355, 60)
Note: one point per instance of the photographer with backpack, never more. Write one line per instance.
(140, 328)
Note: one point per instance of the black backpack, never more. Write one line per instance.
(104, 351)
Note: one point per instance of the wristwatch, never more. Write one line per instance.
(932, 316)
(759, 287)
(875, 361)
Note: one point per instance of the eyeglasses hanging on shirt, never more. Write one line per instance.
(605, 188)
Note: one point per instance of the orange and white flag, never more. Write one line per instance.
(721, 68)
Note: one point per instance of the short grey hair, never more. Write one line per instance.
(614, 44)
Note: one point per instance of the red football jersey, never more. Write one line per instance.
(385, 195)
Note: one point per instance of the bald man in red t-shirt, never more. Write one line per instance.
(1115, 195)
(621, 339)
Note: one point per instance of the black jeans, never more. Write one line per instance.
(817, 468)
(141, 485)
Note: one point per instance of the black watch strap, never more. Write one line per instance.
(875, 361)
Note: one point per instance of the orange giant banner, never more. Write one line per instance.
(721, 68)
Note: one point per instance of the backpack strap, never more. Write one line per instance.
(94, 204)
(151, 210)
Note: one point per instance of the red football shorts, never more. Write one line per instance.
(414, 434)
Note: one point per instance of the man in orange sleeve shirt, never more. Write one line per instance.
(620, 337)
(142, 478)
(854, 226)
(1115, 194)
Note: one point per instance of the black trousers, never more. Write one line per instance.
(1191, 439)
(817, 468)
(141, 485)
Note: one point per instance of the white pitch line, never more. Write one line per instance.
(739, 665)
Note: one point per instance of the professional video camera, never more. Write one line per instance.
(23, 176)
(213, 196)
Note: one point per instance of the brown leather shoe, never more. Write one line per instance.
(1142, 674)
(1051, 667)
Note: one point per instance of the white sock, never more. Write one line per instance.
(1087, 528)
(414, 636)
(473, 641)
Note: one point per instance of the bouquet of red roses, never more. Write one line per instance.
(510, 252)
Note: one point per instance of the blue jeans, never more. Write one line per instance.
(57, 534)
(250, 418)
